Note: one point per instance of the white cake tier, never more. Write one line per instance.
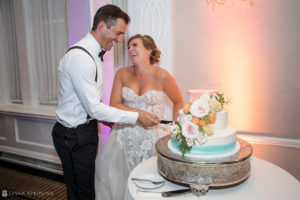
(221, 121)
(220, 144)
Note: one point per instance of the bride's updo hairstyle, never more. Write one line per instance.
(150, 45)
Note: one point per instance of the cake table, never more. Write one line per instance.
(267, 181)
(202, 174)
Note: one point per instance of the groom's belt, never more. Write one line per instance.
(88, 121)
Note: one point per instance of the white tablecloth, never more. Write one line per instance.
(266, 182)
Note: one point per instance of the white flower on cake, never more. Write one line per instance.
(214, 104)
(208, 129)
(175, 129)
(182, 119)
(201, 139)
(200, 107)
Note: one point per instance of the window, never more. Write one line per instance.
(31, 65)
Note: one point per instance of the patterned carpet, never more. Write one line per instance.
(20, 185)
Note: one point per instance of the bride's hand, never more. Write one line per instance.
(147, 119)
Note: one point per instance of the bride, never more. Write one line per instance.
(140, 86)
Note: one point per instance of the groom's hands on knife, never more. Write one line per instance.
(147, 119)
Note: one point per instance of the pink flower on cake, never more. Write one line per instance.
(200, 107)
(190, 130)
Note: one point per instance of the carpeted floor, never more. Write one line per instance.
(21, 185)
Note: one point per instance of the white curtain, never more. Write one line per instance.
(47, 21)
(9, 54)
(120, 50)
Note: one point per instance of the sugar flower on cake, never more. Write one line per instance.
(200, 107)
(184, 118)
(201, 139)
(175, 129)
(190, 130)
(208, 129)
(214, 104)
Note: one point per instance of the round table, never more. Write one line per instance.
(266, 181)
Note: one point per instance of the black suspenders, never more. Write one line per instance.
(79, 47)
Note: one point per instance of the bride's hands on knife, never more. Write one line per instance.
(147, 119)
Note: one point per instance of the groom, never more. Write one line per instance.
(75, 134)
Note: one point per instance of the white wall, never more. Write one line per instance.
(251, 54)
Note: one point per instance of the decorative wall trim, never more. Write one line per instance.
(264, 140)
(30, 154)
(42, 112)
(32, 165)
(18, 140)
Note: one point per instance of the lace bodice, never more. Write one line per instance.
(150, 101)
(137, 141)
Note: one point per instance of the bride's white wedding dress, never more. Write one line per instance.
(127, 146)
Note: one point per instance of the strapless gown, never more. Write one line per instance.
(127, 146)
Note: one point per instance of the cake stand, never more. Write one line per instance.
(202, 174)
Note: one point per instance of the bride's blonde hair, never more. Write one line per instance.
(148, 43)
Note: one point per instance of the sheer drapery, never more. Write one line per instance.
(9, 55)
(120, 50)
(47, 21)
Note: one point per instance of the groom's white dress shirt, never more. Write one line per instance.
(79, 94)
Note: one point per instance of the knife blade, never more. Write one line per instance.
(166, 122)
(173, 193)
(170, 193)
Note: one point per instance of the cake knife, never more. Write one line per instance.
(166, 122)
(170, 193)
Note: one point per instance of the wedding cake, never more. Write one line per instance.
(202, 130)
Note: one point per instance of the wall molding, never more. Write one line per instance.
(20, 141)
(265, 140)
(30, 154)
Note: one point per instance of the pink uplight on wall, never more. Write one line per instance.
(108, 74)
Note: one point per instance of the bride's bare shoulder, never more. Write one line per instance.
(161, 73)
(124, 71)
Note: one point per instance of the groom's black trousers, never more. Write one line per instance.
(77, 148)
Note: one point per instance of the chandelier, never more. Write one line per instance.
(221, 2)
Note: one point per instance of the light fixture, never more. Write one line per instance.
(221, 2)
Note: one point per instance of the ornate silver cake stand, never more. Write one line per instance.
(202, 174)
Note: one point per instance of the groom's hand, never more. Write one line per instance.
(147, 119)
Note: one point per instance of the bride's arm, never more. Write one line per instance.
(173, 92)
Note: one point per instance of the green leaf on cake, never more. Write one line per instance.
(183, 147)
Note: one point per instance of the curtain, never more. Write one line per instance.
(9, 55)
(47, 21)
(120, 50)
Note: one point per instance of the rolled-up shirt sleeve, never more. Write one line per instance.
(82, 73)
